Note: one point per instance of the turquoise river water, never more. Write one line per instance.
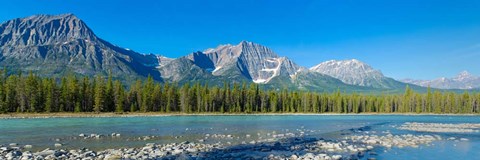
(45, 132)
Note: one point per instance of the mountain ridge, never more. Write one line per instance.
(60, 44)
(463, 80)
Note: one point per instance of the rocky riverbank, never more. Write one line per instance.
(350, 147)
(441, 127)
(187, 150)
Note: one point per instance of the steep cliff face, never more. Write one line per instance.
(44, 30)
(253, 61)
(61, 44)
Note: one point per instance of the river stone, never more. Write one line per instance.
(50, 157)
(294, 157)
(371, 141)
(309, 155)
(369, 147)
(176, 152)
(9, 155)
(90, 154)
(58, 145)
(160, 153)
(45, 153)
(336, 157)
(3, 148)
(192, 150)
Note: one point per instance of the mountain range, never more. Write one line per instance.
(464, 80)
(55, 45)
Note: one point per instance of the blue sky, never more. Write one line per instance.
(421, 39)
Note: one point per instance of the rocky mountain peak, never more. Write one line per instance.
(44, 30)
(352, 64)
(254, 61)
(248, 44)
(464, 75)
(351, 71)
(60, 44)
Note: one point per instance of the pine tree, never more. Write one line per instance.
(86, 95)
(11, 93)
(170, 95)
(99, 95)
(73, 94)
(466, 103)
(338, 102)
(146, 95)
(32, 93)
(418, 103)
(156, 98)
(428, 105)
(64, 101)
(407, 98)
(21, 94)
(273, 101)
(184, 98)
(3, 106)
(109, 95)
(119, 96)
(49, 95)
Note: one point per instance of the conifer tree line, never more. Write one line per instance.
(33, 94)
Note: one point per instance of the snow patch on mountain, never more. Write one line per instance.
(217, 68)
(275, 71)
(252, 60)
